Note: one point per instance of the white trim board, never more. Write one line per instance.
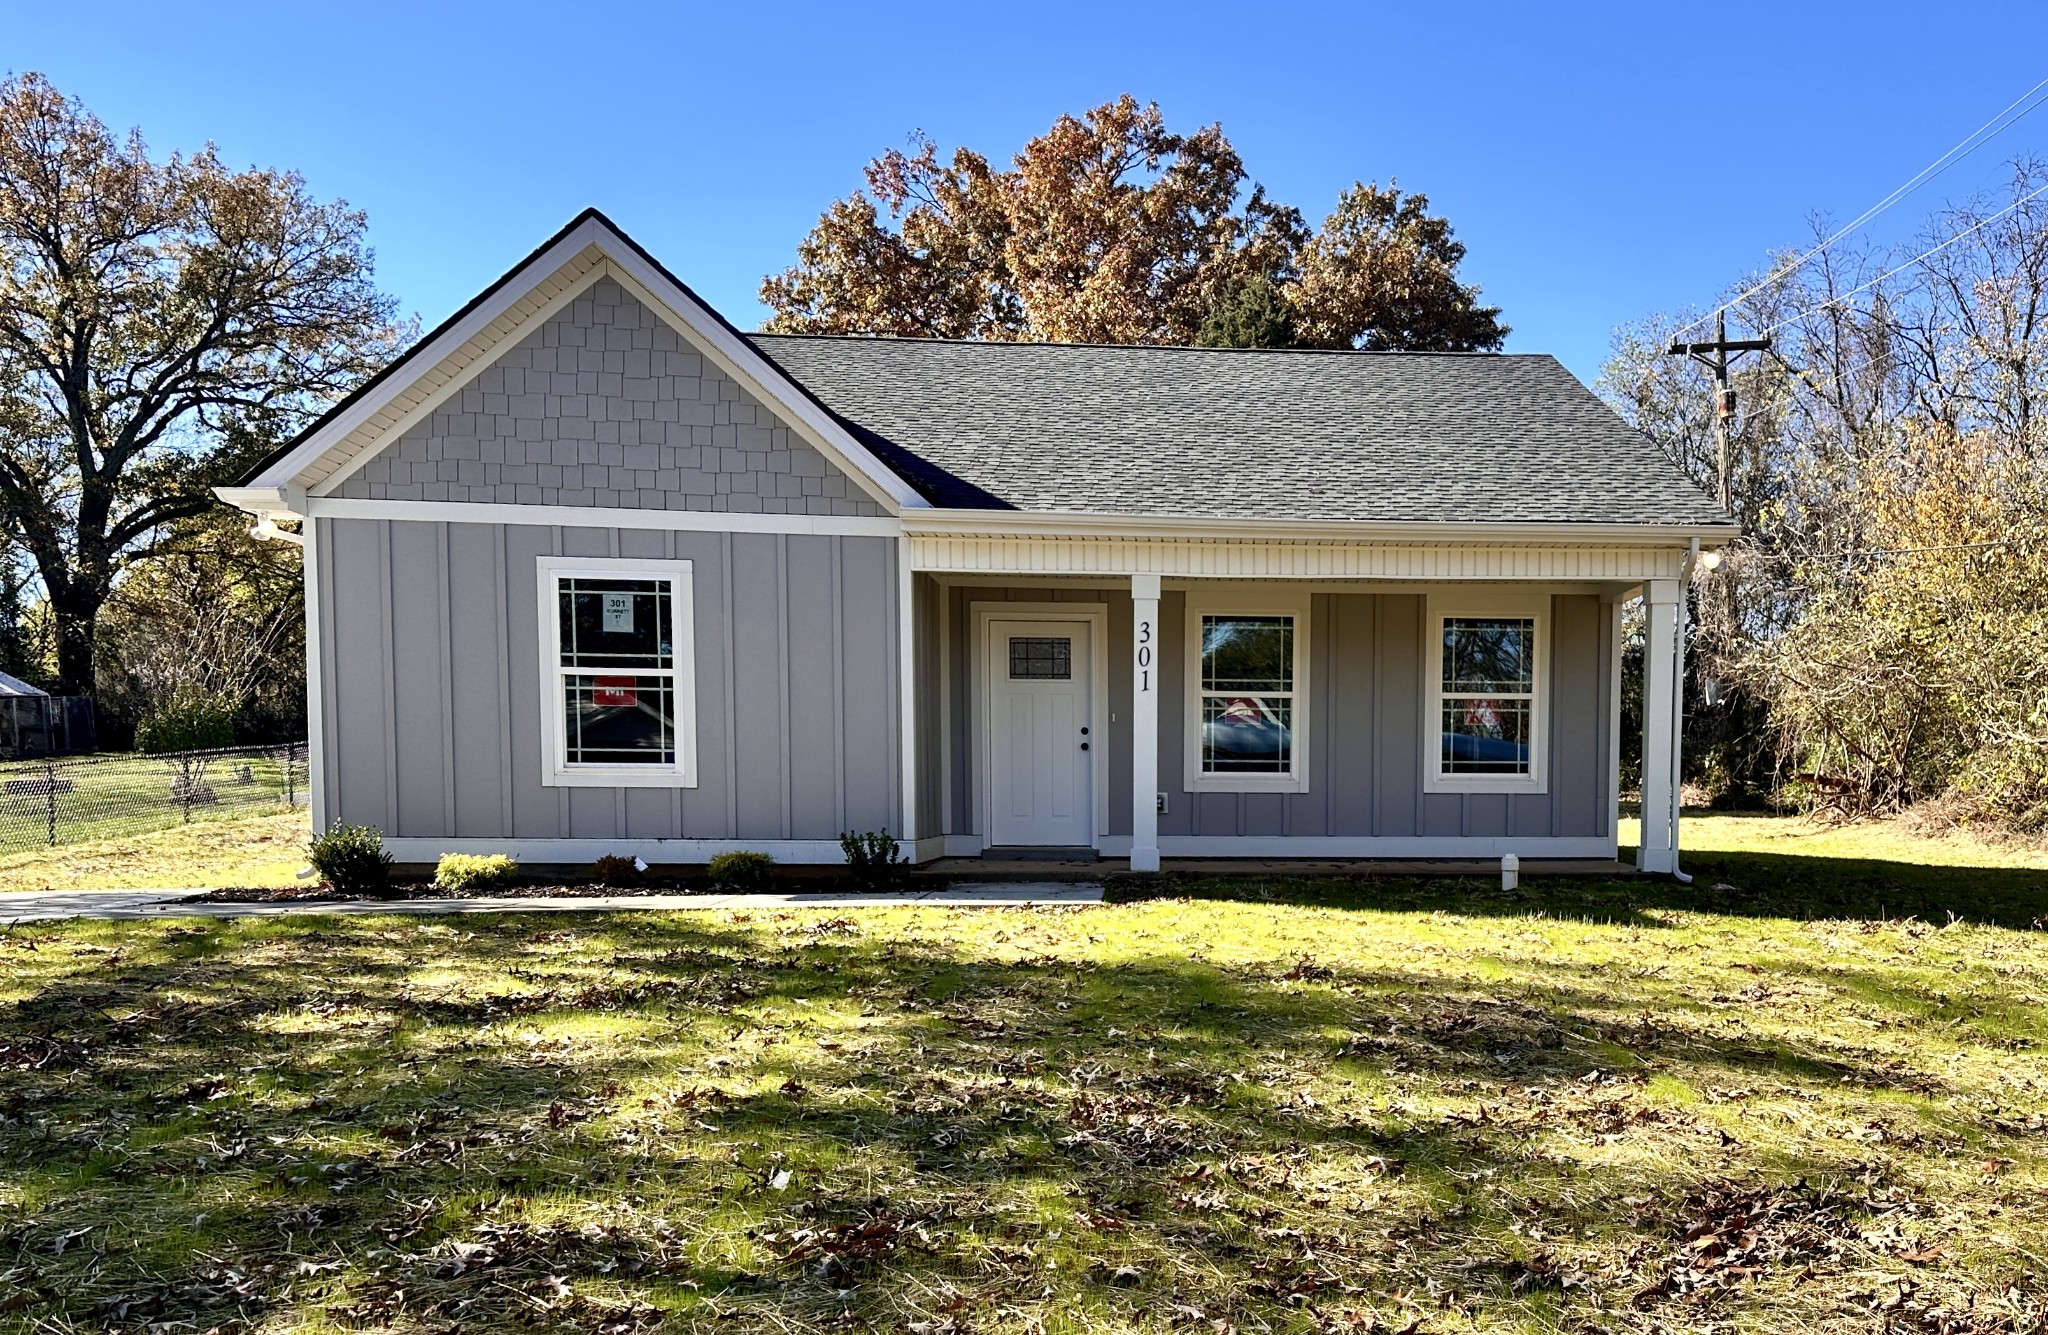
(316, 717)
(589, 516)
(808, 852)
(938, 521)
(1339, 846)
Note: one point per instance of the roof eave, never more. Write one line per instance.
(1025, 523)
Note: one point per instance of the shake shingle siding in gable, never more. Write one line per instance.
(1197, 432)
(607, 405)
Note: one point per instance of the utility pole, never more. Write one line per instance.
(1714, 356)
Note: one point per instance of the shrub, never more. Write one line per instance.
(612, 869)
(874, 860)
(351, 859)
(743, 871)
(458, 872)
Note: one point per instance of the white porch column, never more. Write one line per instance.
(1663, 718)
(1144, 723)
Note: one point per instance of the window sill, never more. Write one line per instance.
(1482, 783)
(1247, 783)
(636, 776)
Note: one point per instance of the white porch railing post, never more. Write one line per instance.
(1145, 723)
(1662, 719)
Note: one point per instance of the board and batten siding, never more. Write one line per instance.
(1366, 700)
(431, 690)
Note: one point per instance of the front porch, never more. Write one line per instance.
(1055, 703)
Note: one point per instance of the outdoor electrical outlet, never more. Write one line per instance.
(1162, 804)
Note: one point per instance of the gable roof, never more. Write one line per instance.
(591, 246)
(1153, 432)
(1223, 433)
(15, 686)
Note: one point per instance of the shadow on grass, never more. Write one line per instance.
(245, 1100)
(1759, 885)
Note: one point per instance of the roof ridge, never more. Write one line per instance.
(1141, 347)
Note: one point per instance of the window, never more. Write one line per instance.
(1484, 724)
(1247, 699)
(618, 695)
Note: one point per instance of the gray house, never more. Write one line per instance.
(591, 571)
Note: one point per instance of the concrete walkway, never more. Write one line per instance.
(142, 904)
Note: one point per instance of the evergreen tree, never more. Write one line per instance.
(1251, 314)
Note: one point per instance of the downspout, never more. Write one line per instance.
(1692, 557)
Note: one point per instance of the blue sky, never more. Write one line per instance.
(1576, 148)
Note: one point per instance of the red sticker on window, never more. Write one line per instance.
(614, 692)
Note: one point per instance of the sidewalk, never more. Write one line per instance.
(131, 905)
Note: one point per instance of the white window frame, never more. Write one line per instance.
(556, 771)
(1444, 607)
(1249, 603)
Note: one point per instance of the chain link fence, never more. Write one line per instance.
(72, 799)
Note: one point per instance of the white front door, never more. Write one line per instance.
(1041, 753)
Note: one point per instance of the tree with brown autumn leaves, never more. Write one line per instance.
(1109, 228)
(160, 324)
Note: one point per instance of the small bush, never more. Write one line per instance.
(612, 869)
(742, 871)
(351, 859)
(460, 872)
(874, 860)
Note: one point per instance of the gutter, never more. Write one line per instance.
(1035, 524)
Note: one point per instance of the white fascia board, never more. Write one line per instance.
(1021, 523)
(733, 354)
(597, 516)
(271, 502)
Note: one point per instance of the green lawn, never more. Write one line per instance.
(264, 850)
(1403, 1106)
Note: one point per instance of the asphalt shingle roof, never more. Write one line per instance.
(1204, 432)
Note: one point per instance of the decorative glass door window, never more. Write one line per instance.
(1247, 695)
(616, 672)
(1041, 658)
(1489, 695)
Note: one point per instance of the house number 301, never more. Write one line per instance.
(1144, 655)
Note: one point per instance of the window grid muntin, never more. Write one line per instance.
(1274, 704)
(1469, 696)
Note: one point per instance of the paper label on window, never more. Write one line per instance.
(618, 612)
(615, 692)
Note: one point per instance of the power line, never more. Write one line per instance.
(1968, 145)
(1925, 254)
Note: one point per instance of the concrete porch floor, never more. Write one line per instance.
(1090, 869)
